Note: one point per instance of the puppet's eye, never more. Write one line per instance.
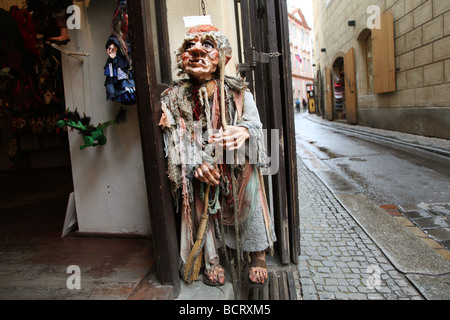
(208, 44)
(189, 45)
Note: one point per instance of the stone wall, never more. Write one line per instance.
(422, 56)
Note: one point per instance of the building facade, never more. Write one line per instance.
(384, 64)
(301, 54)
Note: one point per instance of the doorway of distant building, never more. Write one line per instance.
(342, 95)
(338, 84)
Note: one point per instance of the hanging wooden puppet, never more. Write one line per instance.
(119, 82)
(236, 214)
(59, 12)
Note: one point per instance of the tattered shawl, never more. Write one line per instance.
(185, 146)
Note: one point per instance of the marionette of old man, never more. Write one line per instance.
(196, 145)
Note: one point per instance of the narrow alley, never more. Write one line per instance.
(347, 239)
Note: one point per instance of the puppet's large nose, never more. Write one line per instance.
(198, 49)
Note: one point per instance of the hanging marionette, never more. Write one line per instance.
(119, 82)
(59, 12)
(119, 28)
(221, 204)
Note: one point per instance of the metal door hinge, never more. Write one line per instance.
(254, 59)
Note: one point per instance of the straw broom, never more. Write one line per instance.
(194, 261)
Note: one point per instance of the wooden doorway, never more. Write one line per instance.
(329, 93)
(264, 29)
(152, 72)
(266, 65)
(339, 89)
(350, 87)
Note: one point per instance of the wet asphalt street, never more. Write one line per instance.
(415, 181)
(388, 173)
(355, 194)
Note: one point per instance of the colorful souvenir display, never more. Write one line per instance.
(31, 88)
(339, 94)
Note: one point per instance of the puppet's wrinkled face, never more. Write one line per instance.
(200, 58)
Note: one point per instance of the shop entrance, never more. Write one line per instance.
(264, 30)
(320, 93)
(35, 167)
(339, 107)
(36, 176)
(341, 89)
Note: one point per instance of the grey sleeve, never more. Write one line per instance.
(255, 146)
(250, 117)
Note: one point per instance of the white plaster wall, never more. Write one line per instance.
(109, 184)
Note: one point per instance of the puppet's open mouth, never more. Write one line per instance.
(197, 61)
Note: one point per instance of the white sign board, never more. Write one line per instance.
(196, 20)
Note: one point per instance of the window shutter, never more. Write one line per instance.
(384, 55)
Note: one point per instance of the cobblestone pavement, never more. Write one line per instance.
(338, 259)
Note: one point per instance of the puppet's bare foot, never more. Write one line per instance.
(214, 276)
(257, 272)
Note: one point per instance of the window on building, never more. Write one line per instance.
(378, 55)
(366, 74)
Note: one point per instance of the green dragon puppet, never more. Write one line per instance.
(92, 135)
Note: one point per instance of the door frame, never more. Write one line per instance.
(265, 29)
(329, 92)
(277, 90)
(350, 87)
(161, 209)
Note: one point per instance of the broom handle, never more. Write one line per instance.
(204, 218)
(222, 95)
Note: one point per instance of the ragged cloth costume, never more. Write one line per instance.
(189, 109)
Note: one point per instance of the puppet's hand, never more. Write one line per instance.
(231, 139)
(206, 173)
